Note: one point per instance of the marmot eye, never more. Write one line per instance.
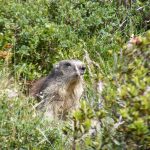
(83, 68)
(67, 64)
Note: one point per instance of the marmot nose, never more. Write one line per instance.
(77, 74)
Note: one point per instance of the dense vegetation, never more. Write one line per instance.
(35, 34)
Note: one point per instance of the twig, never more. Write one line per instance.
(46, 139)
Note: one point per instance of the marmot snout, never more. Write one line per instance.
(61, 90)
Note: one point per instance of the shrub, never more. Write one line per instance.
(129, 97)
(122, 112)
(41, 32)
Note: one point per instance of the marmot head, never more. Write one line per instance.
(71, 69)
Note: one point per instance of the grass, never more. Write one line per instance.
(21, 127)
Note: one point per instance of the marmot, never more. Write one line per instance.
(60, 91)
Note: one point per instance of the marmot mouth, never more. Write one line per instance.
(74, 79)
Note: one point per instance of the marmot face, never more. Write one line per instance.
(72, 69)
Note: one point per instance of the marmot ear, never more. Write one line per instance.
(56, 66)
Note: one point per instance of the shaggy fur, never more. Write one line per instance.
(60, 91)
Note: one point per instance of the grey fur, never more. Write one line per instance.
(60, 91)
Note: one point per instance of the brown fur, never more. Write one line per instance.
(61, 90)
(36, 86)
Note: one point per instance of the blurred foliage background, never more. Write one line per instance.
(39, 33)
(113, 40)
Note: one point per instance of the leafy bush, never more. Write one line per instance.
(134, 90)
(122, 112)
(41, 32)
